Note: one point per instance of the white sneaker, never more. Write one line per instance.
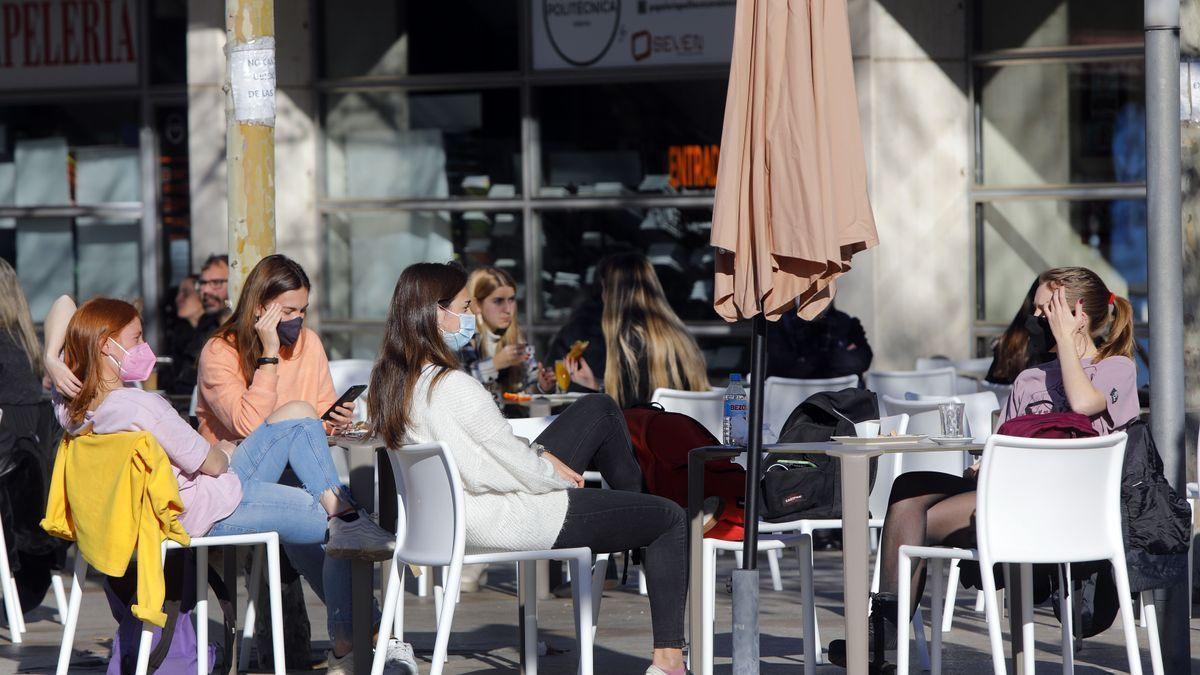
(398, 660)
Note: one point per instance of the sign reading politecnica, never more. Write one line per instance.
(68, 43)
(575, 34)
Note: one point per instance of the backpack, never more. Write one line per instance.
(810, 486)
(662, 441)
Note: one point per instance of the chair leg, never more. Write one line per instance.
(275, 590)
(202, 609)
(1066, 612)
(423, 582)
(773, 563)
(708, 611)
(904, 582)
(807, 599)
(876, 572)
(938, 589)
(72, 614)
(60, 596)
(527, 592)
(252, 588)
(918, 624)
(1149, 613)
(12, 602)
(979, 601)
(951, 596)
(144, 645)
(991, 609)
(1030, 647)
(583, 612)
(1121, 577)
(395, 588)
(805, 553)
(599, 572)
(398, 619)
(642, 590)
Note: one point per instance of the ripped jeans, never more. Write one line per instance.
(296, 514)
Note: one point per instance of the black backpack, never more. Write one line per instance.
(810, 486)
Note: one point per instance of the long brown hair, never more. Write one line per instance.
(1012, 349)
(482, 283)
(15, 319)
(639, 321)
(412, 340)
(90, 327)
(1110, 317)
(273, 276)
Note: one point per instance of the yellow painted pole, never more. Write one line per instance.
(250, 135)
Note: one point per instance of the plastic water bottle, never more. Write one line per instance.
(737, 410)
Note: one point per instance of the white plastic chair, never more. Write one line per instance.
(1027, 513)
(201, 544)
(803, 546)
(431, 531)
(963, 384)
(783, 394)
(934, 382)
(706, 407)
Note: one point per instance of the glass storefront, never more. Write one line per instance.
(1061, 182)
(443, 140)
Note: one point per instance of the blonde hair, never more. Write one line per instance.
(15, 318)
(1109, 316)
(638, 321)
(482, 283)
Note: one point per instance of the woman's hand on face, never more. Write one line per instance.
(342, 415)
(509, 356)
(266, 327)
(581, 373)
(546, 380)
(1063, 324)
(563, 470)
(64, 380)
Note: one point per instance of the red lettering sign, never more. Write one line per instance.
(63, 43)
(693, 166)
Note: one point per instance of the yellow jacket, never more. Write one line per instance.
(111, 493)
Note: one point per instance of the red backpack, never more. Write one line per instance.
(662, 441)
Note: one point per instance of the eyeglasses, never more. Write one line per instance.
(215, 283)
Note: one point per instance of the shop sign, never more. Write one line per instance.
(52, 44)
(693, 166)
(631, 33)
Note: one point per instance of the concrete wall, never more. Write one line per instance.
(297, 223)
(913, 293)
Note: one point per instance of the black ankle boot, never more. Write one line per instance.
(881, 634)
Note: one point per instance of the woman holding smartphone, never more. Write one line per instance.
(499, 356)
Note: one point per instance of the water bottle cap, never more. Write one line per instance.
(736, 377)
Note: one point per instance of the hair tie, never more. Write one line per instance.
(1111, 298)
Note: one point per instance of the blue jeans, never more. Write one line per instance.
(296, 514)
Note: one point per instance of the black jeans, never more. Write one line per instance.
(592, 430)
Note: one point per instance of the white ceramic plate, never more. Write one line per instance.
(952, 440)
(880, 440)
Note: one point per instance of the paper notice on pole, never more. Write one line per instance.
(252, 81)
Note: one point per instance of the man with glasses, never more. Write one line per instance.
(213, 285)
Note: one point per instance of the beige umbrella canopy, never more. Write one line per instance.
(791, 201)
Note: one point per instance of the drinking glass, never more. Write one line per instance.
(952, 419)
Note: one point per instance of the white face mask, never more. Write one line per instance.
(466, 330)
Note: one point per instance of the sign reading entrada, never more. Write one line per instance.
(68, 43)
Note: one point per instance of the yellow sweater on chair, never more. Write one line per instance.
(112, 494)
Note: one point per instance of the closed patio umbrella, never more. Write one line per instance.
(791, 205)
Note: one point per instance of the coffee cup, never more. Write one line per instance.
(868, 429)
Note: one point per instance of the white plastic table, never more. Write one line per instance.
(855, 468)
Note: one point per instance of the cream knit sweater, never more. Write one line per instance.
(515, 500)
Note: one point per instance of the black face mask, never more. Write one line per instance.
(1040, 340)
(289, 331)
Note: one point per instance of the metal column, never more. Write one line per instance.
(1165, 257)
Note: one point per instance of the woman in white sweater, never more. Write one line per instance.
(521, 496)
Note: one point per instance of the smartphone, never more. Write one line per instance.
(347, 396)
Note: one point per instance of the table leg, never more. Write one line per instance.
(695, 557)
(855, 553)
(1013, 587)
(362, 463)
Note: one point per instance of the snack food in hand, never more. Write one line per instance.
(577, 350)
(510, 396)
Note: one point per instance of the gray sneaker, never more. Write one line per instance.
(359, 539)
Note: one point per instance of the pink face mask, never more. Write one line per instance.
(138, 362)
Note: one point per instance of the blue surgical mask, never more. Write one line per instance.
(462, 337)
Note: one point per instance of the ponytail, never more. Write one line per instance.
(1119, 341)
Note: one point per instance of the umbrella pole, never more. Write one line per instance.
(745, 580)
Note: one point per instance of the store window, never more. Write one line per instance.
(645, 138)
(373, 38)
(1058, 23)
(413, 145)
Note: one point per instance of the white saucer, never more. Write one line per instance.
(951, 440)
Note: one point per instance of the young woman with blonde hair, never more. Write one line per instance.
(499, 355)
(1091, 331)
(646, 344)
(520, 496)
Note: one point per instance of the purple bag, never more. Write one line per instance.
(181, 654)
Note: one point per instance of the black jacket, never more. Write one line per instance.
(1156, 521)
(832, 345)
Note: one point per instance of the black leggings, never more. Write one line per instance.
(924, 509)
(592, 430)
